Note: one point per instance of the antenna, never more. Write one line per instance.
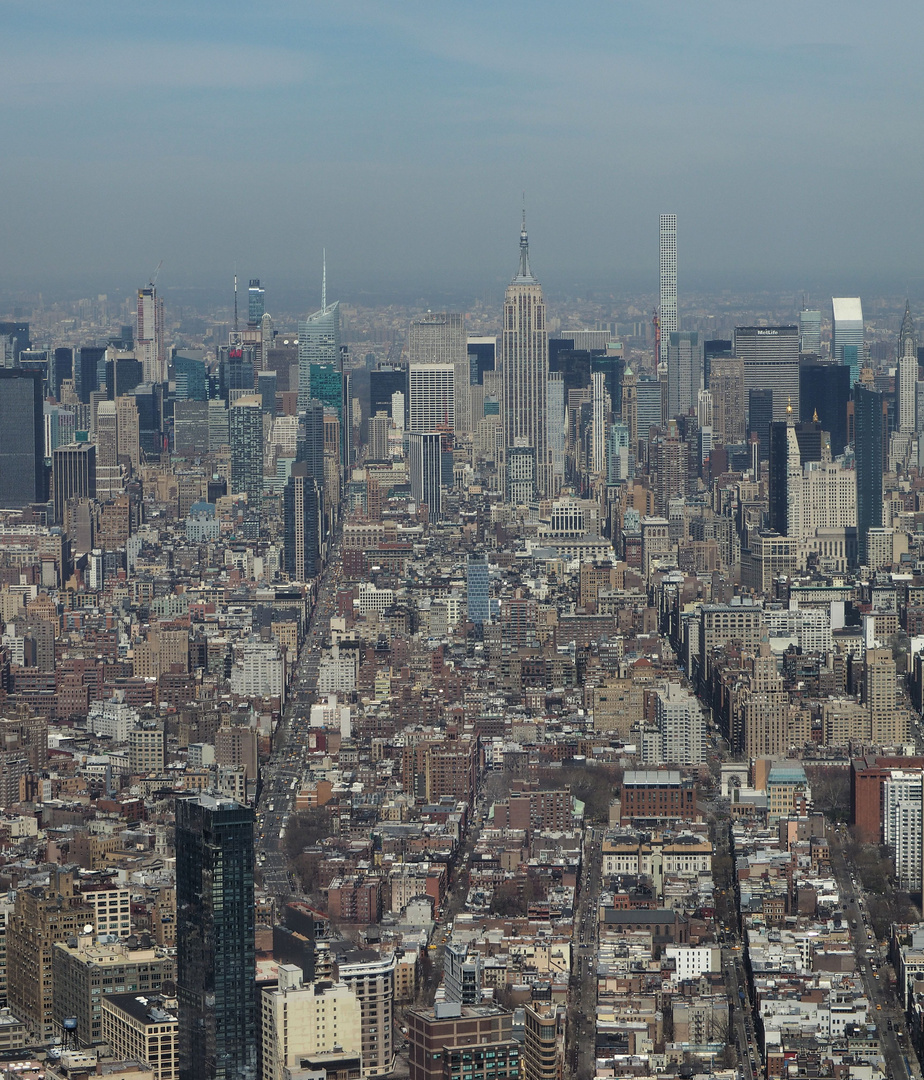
(323, 279)
(235, 303)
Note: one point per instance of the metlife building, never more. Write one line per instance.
(771, 362)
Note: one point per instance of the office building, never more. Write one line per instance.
(84, 971)
(189, 378)
(315, 1027)
(425, 470)
(824, 392)
(384, 382)
(59, 427)
(108, 471)
(439, 338)
(648, 395)
(43, 915)
(432, 397)
(149, 335)
(246, 434)
(23, 476)
(73, 473)
(256, 303)
(760, 417)
(219, 425)
(302, 520)
(525, 368)
(478, 589)
(86, 371)
(62, 367)
(810, 331)
(667, 311)
(451, 1041)
(770, 355)
(599, 423)
(847, 340)
(729, 403)
(715, 349)
(556, 428)
(377, 443)
(869, 425)
(215, 940)
(903, 823)
(684, 372)
(191, 427)
(319, 343)
(906, 376)
(141, 1027)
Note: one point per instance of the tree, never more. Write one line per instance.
(306, 829)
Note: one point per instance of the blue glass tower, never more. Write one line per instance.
(478, 589)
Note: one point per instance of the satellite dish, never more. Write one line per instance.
(88, 929)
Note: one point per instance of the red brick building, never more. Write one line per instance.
(656, 794)
(867, 776)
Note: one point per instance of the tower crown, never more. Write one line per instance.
(524, 275)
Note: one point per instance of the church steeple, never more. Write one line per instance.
(524, 274)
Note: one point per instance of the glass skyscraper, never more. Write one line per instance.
(23, 477)
(478, 589)
(215, 940)
(318, 344)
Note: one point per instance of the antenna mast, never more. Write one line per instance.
(235, 303)
(323, 279)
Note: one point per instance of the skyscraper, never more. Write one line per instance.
(246, 432)
(425, 466)
(868, 439)
(847, 333)
(86, 373)
(810, 331)
(439, 338)
(760, 416)
(771, 362)
(432, 396)
(149, 337)
(73, 475)
(302, 518)
(256, 303)
(23, 478)
(684, 372)
(478, 589)
(906, 383)
(785, 475)
(824, 391)
(215, 940)
(667, 320)
(319, 343)
(526, 368)
(556, 428)
(729, 402)
(108, 473)
(600, 423)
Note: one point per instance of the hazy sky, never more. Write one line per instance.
(401, 135)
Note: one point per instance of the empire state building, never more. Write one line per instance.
(525, 359)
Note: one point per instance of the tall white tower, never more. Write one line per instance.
(668, 305)
(526, 368)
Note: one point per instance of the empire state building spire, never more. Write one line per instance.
(524, 274)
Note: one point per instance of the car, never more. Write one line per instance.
(878, 1008)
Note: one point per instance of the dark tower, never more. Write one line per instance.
(869, 425)
(215, 940)
(824, 390)
(23, 477)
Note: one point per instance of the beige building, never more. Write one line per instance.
(112, 910)
(43, 915)
(146, 750)
(314, 1026)
(888, 724)
(84, 973)
(143, 1028)
(371, 977)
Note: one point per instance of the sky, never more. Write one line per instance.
(402, 136)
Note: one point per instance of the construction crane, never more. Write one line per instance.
(156, 272)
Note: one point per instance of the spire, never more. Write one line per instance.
(907, 339)
(324, 279)
(524, 274)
